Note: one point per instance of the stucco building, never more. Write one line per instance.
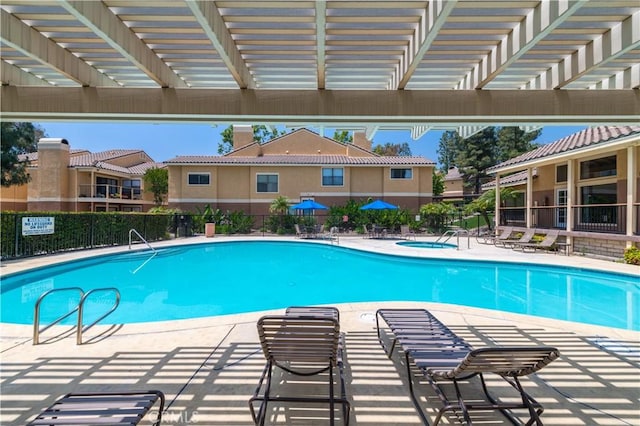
(78, 180)
(299, 165)
(587, 185)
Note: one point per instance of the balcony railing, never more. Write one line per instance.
(608, 218)
(114, 192)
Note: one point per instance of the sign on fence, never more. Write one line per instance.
(37, 225)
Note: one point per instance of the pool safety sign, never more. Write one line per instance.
(37, 225)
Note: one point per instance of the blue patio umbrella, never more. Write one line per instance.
(379, 205)
(309, 205)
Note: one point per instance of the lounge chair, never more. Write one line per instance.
(304, 342)
(526, 237)
(299, 232)
(492, 238)
(107, 408)
(406, 232)
(548, 243)
(443, 357)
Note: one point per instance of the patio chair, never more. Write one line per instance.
(112, 408)
(299, 232)
(526, 237)
(492, 238)
(406, 232)
(443, 357)
(304, 342)
(548, 243)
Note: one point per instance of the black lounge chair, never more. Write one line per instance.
(304, 342)
(441, 357)
(106, 408)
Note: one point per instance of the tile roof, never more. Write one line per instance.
(301, 160)
(516, 178)
(453, 174)
(138, 169)
(91, 159)
(585, 138)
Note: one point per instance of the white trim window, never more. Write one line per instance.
(401, 173)
(199, 178)
(267, 182)
(332, 176)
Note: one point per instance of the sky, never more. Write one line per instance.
(166, 141)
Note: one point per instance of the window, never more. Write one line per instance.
(267, 183)
(561, 173)
(401, 173)
(600, 167)
(106, 185)
(332, 176)
(131, 189)
(599, 194)
(199, 178)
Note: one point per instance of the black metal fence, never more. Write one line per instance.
(60, 231)
(609, 218)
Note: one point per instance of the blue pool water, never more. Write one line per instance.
(233, 277)
(426, 244)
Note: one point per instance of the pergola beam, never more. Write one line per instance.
(321, 22)
(406, 107)
(101, 21)
(10, 74)
(31, 43)
(433, 18)
(618, 41)
(209, 18)
(547, 16)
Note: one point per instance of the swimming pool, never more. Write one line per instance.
(426, 244)
(243, 276)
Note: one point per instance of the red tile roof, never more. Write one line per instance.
(300, 160)
(586, 138)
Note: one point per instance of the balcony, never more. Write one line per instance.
(111, 192)
(604, 218)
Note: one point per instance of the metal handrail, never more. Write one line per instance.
(131, 231)
(36, 313)
(455, 233)
(82, 329)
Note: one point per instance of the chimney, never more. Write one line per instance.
(360, 140)
(242, 135)
(53, 170)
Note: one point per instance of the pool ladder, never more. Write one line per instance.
(133, 231)
(454, 233)
(79, 308)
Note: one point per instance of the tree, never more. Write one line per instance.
(438, 183)
(279, 205)
(393, 149)
(475, 154)
(156, 180)
(261, 134)
(343, 136)
(17, 138)
(513, 141)
(486, 203)
(448, 149)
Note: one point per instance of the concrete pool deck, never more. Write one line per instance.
(208, 367)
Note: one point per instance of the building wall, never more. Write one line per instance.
(13, 198)
(599, 247)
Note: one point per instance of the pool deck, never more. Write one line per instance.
(208, 367)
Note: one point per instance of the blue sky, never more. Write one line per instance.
(165, 141)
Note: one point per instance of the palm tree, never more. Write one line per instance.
(279, 205)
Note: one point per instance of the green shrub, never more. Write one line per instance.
(632, 255)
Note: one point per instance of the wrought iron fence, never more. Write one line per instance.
(608, 218)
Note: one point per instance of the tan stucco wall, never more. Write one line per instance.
(233, 183)
(303, 143)
(13, 198)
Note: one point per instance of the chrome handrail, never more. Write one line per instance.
(454, 233)
(82, 329)
(131, 231)
(36, 313)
